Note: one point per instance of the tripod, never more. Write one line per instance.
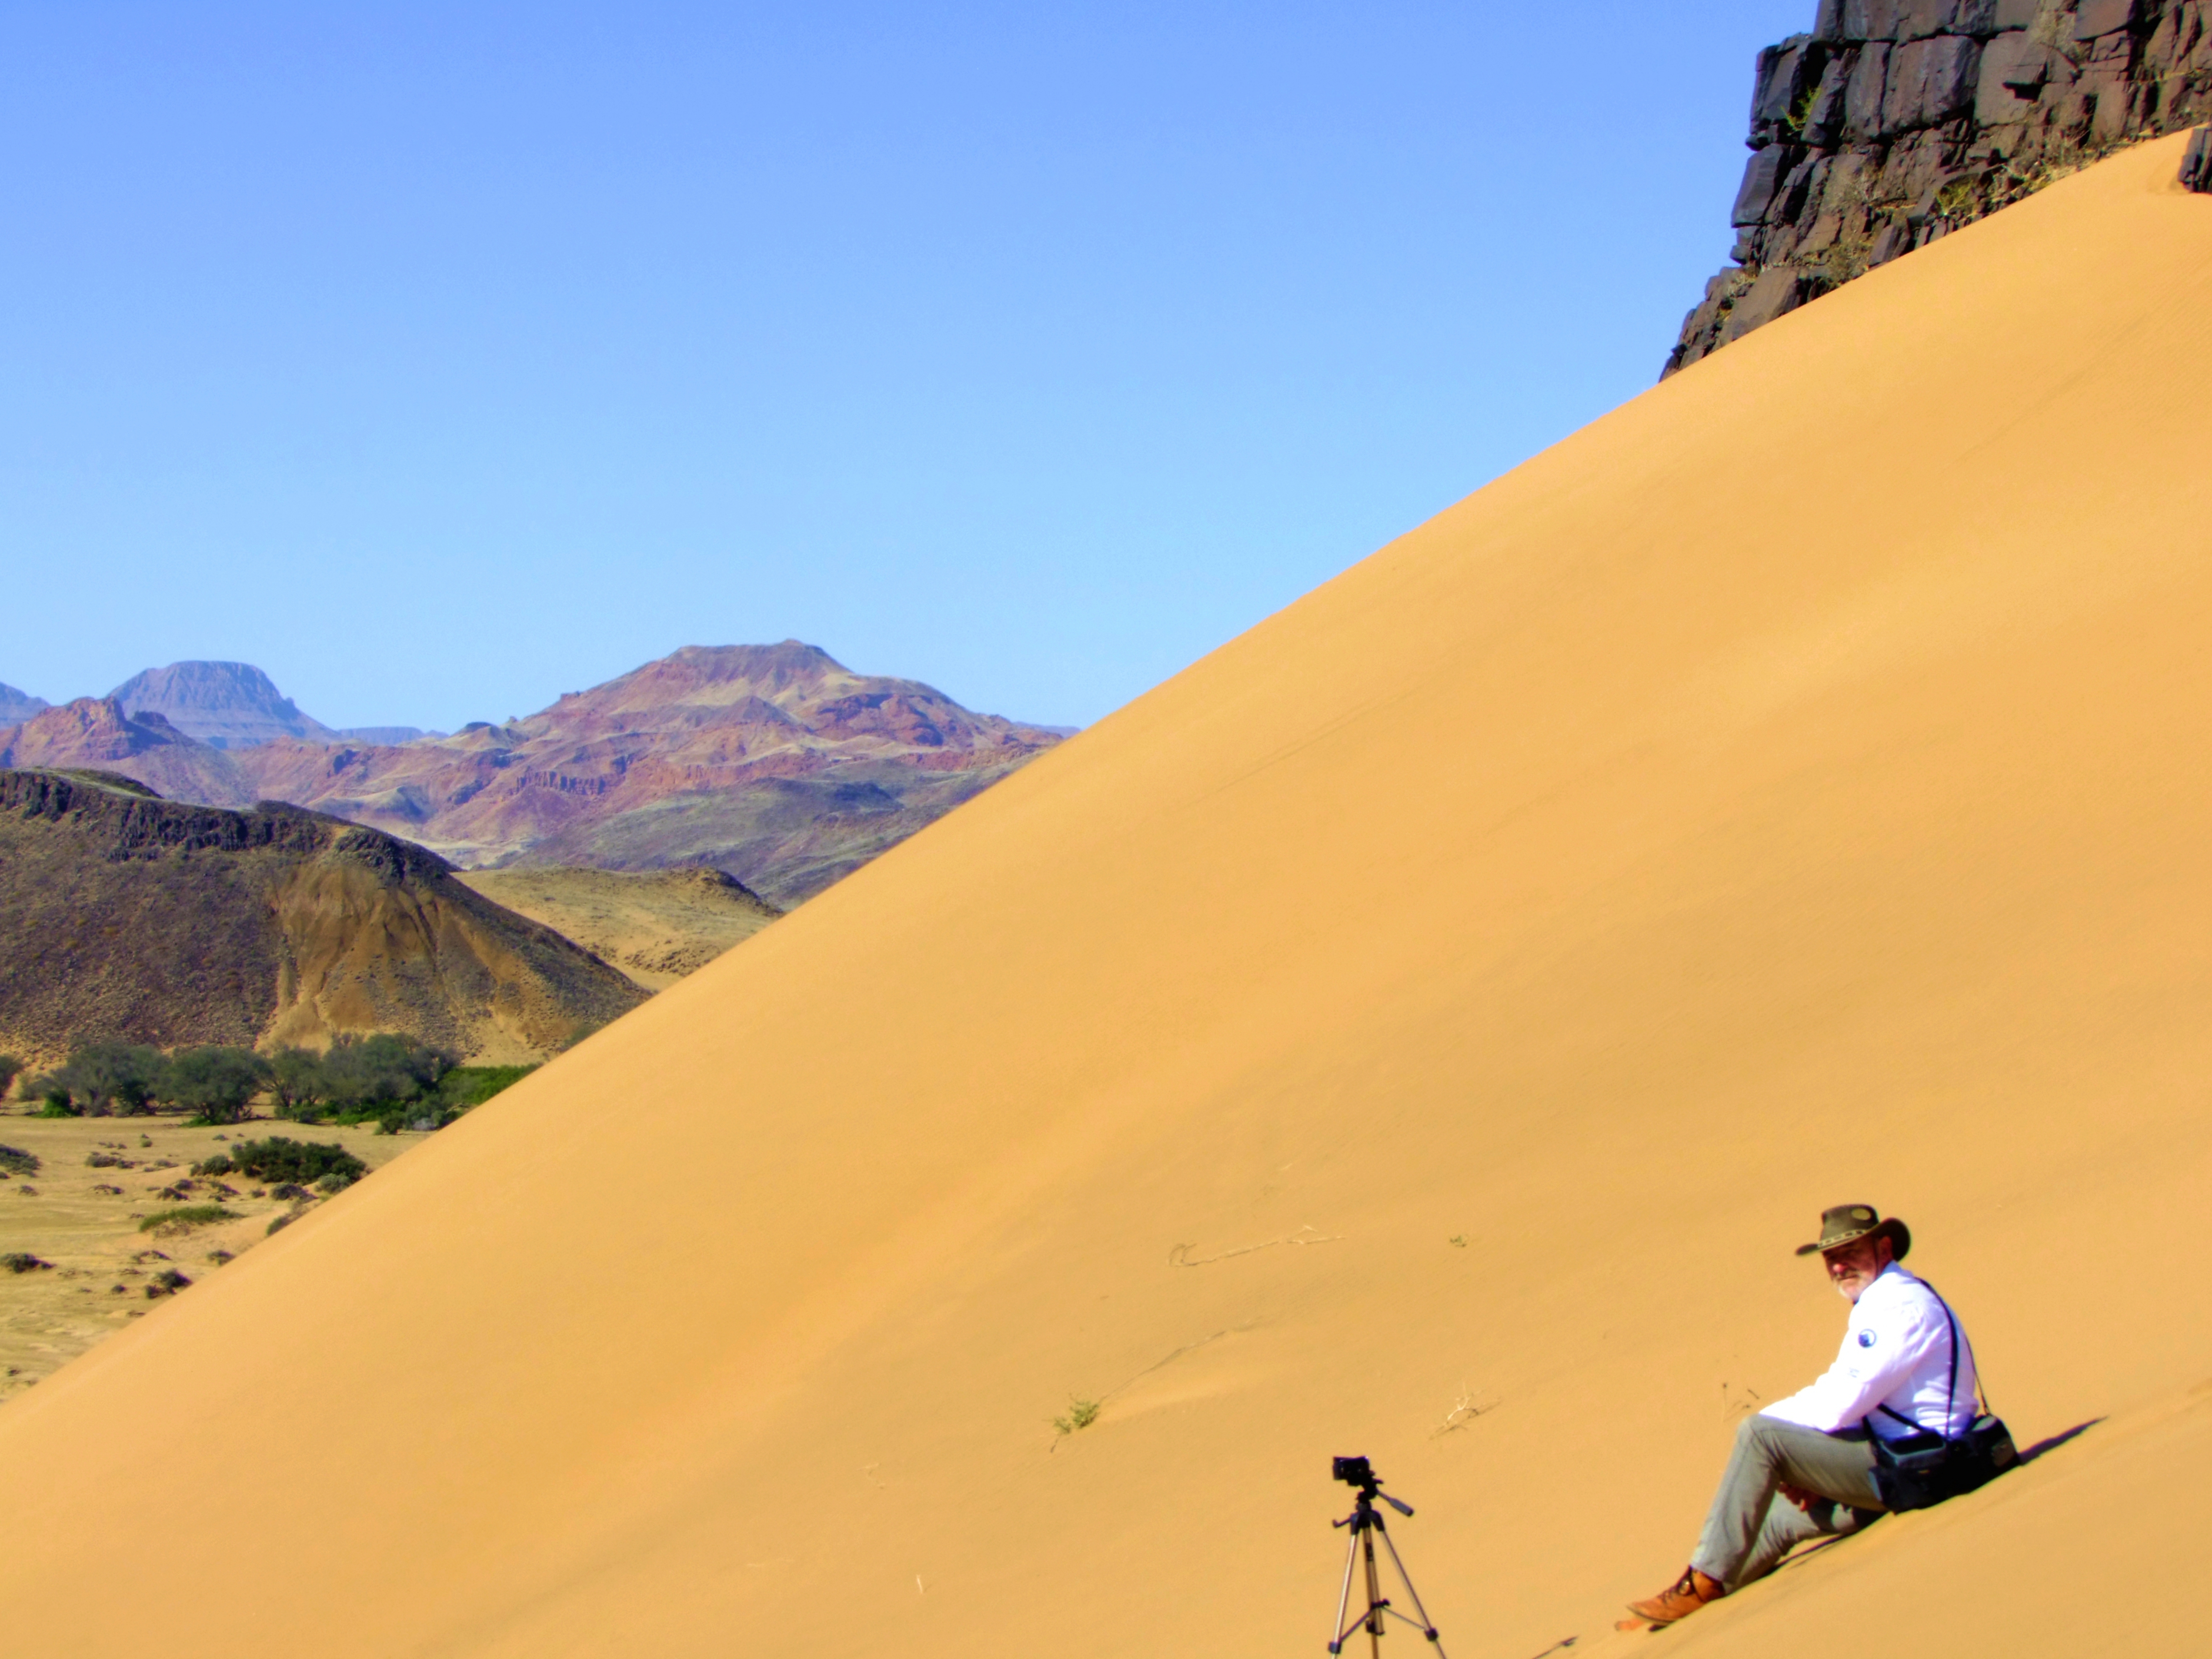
(1367, 1526)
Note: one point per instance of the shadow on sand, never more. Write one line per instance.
(2029, 1454)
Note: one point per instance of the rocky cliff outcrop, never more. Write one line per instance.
(127, 917)
(1895, 122)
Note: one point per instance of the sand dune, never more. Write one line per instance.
(1823, 816)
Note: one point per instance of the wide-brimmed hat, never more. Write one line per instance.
(1847, 1223)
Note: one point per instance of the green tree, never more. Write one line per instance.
(217, 1084)
(105, 1078)
(301, 1087)
(362, 1073)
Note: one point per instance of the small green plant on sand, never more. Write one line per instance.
(14, 1161)
(187, 1215)
(1457, 1241)
(1081, 1414)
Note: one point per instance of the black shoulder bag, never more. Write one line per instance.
(1920, 1470)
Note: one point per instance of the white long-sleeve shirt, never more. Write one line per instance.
(1897, 1353)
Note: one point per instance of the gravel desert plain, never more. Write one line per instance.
(1423, 1029)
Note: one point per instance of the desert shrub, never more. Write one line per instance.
(220, 1164)
(280, 1223)
(421, 1116)
(51, 1091)
(1081, 1414)
(14, 1161)
(217, 1085)
(280, 1160)
(22, 1261)
(166, 1282)
(110, 1077)
(187, 1215)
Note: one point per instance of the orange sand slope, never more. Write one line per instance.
(1823, 816)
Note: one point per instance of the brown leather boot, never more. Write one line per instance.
(1689, 1592)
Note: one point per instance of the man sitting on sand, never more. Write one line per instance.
(1893, 1376)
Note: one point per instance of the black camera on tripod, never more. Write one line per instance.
(1366, 1525)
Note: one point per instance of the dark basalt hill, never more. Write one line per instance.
(124, 917)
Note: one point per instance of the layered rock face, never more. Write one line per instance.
(1895, 122)
(127, 917)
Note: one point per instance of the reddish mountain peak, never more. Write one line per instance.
(792, 685)
(714, 675)
(775, 762)
(89, 729)
(98, 732)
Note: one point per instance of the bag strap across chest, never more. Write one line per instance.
(1951, 1383)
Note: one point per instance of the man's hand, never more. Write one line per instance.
(1803, 1499)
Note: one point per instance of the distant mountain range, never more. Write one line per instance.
(225, 706)
(775, 763)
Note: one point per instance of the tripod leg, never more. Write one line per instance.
(1374, 1599)
(1343, 1601)
(1428, 1625)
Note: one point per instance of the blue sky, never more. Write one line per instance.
(440, 358)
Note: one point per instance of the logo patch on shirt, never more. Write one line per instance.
(1865, 1339)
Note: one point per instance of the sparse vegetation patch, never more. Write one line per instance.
(283, 1161)
(186, 1215)
(14, 1161)
(22, 1261)
(1081, 1414)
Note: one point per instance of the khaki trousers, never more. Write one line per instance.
(1751, 1529)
